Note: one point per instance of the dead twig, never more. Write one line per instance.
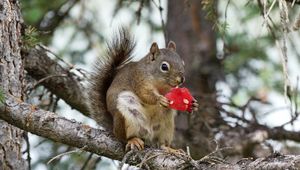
(41, 81)
(66, 153)
(139, 11)
(163, 25)
(25, 136)
(86, 162)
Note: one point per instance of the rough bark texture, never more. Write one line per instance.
(60, 129)
(11, 78)
(196, 43)
(55, 132)
(70, 132)
(278, 133)
(59, 80)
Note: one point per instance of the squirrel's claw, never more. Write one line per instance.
(195, 105)
(134, 143)
(164, 101)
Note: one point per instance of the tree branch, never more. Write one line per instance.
(294, 1)
(49, 24)
(60, 129)
(39, 65)
(70, 132)
(69, 88)
(279, 133)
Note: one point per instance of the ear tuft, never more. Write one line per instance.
(172, 46)
(154, 51)
(154, 48)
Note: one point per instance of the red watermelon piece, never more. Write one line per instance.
(180, 99)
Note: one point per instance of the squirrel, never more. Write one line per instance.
(128, 97)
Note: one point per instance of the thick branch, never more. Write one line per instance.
(68, 87)
(294, 1)
(70, 132)
(50, 23)
(39, 65)
(280, 133)
(60, 129)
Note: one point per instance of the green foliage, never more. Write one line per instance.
(2, 97)
(248, 66)
(271, 76)
(35, 14)
(30, 38)
(250, 11)
(249, 61)
(221, 27)
(209, 6)
(242, 49)
(34, 10)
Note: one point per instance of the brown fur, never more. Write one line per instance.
(118, 53)
(133, 92)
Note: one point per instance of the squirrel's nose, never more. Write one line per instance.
(180, 79)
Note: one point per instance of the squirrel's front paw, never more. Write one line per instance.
(195, 105)
(134, 143)
(164, 101)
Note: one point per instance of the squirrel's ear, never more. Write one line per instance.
(172, 46)
(154, 50)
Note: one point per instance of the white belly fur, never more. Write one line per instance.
(146, 121)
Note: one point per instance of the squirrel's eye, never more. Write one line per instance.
(164, 66)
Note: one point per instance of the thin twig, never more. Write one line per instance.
(51, 99)
(274, 110)
(283, 49)
(296, 25)
(188, 152)
(70, 66)
(66, 153)
(296, 96)
(225, 51)
(128, 154)
(295, 113)
(96, 162)
(42, 80)
(266, 15)
(160, 8)
(41, 142)
(55, 104)
(25, 135)
(147, 158)
(207, 157)
(139, 11)
(284, 18)
(87, 161)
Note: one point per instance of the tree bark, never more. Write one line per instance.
(60, 129)
(72, 133)
(11, 78)
(196, 43)
(51, 126)
(61, 81)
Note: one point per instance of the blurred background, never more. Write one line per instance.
(235, 53)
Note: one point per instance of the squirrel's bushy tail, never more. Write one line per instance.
(118, 52)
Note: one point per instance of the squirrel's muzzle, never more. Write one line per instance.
(180, 80)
